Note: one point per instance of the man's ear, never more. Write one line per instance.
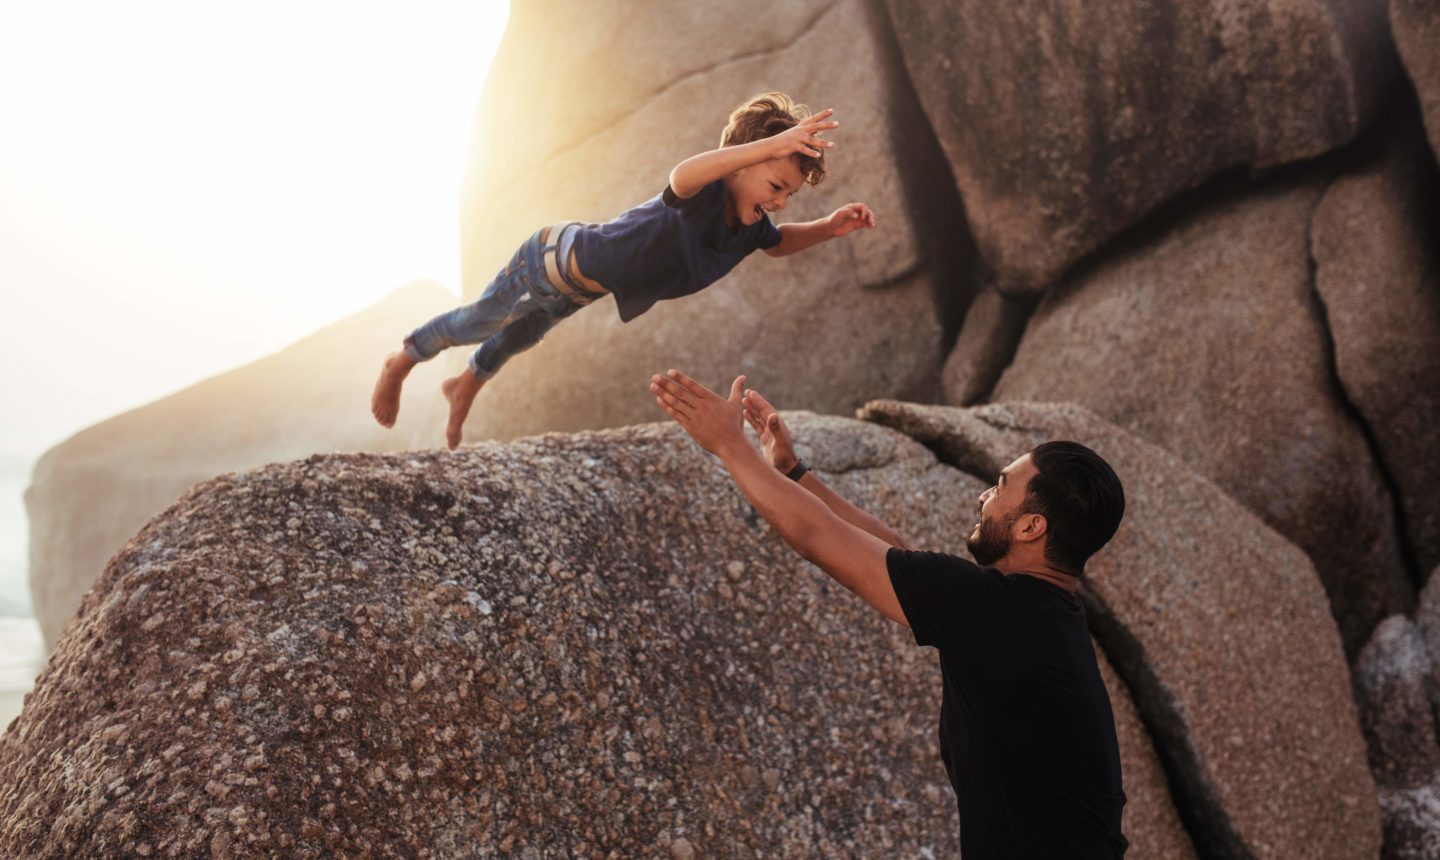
(1030, 527)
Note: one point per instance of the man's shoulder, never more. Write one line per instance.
(931, 560)
(944, 597)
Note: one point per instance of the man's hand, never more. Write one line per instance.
(774, 435)
(849, 218)
(804, 139)
(715, 423)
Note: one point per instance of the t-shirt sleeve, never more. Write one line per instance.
(700, 198)
(950, 603)
(767, 234)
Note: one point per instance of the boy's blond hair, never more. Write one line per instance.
(766, 115)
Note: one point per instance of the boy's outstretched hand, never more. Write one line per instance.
(804, 137)
(715, 423)
(849, 218)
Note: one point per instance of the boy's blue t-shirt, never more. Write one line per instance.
(667, 247)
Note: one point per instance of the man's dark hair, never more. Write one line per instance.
(1081, 499)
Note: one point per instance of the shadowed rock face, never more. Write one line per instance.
(1377, 270)
(1417, 31)
(89, 494)
(826, 329)
(994, 325)
(1149, 822)
(1208, 338)
(1064, 123)
(564, 645)
(1220, 629)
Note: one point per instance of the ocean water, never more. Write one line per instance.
(22, 651)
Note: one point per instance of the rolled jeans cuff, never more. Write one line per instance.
(413, 352)
(473, 362)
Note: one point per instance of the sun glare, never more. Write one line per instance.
(187, 186)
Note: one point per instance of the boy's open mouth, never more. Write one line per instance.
(759, 211)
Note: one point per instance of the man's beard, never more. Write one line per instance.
(993, 542)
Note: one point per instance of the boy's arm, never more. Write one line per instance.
(775, 442)
(798, 237)
(698, 171)
(851, 556)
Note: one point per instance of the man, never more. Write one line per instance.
(1026, 730)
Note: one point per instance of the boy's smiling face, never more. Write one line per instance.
(760, 188)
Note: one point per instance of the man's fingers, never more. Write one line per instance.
(673, 388)
(670, 395)
(672, 411)
(690, 385)
(759, 400)
(737, 389)
(670, 405)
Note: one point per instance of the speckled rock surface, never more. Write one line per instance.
(565, 646)
(1066, 122)
(1427, 618)
(826, 329)
(1390, 678)
(992, 330)
(1416, 24)
(1149, 822)
(90, 493)
(1377, 270)
(1394, 709)
(1207, 338)
(1219, 627)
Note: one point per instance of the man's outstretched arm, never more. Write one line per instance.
(778, 447)
(850, 555)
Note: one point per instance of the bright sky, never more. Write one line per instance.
(187, 186)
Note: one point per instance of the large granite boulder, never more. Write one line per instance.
(596, 138)
(1220, 629)
(1206, 337)
(1377, 270)
(89, 494)
(1390, 678)
(1065, 123)
(1427, 618)
(565, 645)
(1416, 24)
(1149, 821)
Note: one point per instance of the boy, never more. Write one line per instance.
(713, 214)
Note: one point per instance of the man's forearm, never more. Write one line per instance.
(848, 512)
(795, 512)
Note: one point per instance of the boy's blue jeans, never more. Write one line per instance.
(511, 315)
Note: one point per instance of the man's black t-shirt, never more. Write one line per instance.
(1026, 731)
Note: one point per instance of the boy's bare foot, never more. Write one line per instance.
(460, 390)
(385, 399)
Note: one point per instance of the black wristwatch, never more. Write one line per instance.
(799, 471)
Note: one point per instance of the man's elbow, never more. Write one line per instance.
(807, 541)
